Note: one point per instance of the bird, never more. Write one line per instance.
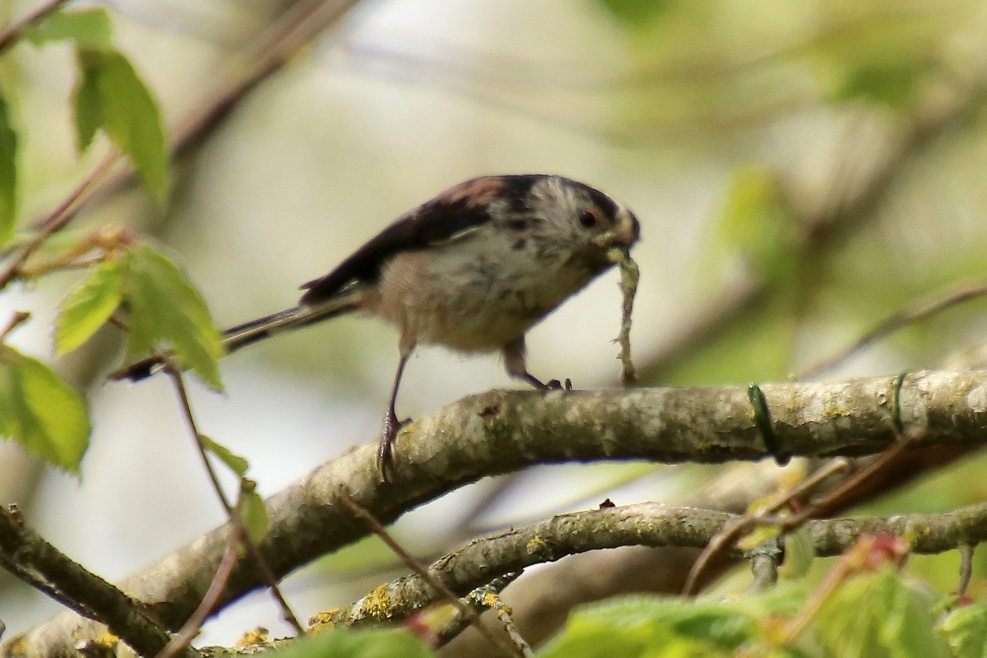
(472, 269)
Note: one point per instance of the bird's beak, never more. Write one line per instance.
(625, 232)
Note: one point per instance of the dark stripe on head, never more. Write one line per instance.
(602, 201)
(517, 192)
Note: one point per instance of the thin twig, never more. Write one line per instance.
(920, 311)
(457, 624)
(59, 217)
(764, 566)
(493, 600)
(732, 531)
(18, 318)
(835, 498)
(466, 611)
(183, 638)
(233, 512)
(816, 507)
(966, 568)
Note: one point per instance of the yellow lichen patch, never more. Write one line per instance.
(322, 621)
(492, 600)
(106, 639)
(536, 545)
(256, 636)
(379, 603)
(18, 646)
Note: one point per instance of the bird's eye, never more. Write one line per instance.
(588, 219)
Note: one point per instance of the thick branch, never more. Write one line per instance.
(503, 431)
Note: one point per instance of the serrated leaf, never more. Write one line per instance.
(127, 113)
(91, 28)
(41, 412)
(86, 105)
(966, 631)
(235, 462)
(369, 643)
(88, 306)
(253, 514)
(8, 172)
(879, 614)
(168, 313)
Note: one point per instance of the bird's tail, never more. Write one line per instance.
(252, 332)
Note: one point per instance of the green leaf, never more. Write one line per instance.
(253, 514)
(370, 643)
(126, 111)
(168, 313)
(892, 84)
(235, 462)
(91, 28)
(86, 105)
(648, 627)
(757, 222)
(88, 306)
(634, 13)
(652, 627)
(879, 614)
(41, 412)
(8, 172)
(966, 631)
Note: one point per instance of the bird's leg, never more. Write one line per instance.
(514, 362)
(391, 422)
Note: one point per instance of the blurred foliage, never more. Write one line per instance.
(357, 644)
(90, 28)
(634, 13)
(8, 167)
(869, 615)
(757, 223)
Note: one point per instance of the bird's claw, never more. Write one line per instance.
(385, 456)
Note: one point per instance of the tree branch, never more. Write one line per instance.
(503, 431)
(25, 554)
(644, 524)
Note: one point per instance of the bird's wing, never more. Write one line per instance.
(459, 209)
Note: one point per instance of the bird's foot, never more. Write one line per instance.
(385, 457)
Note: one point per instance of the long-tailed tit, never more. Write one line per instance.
(472, 269)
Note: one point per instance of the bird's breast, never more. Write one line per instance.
(471, 300)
